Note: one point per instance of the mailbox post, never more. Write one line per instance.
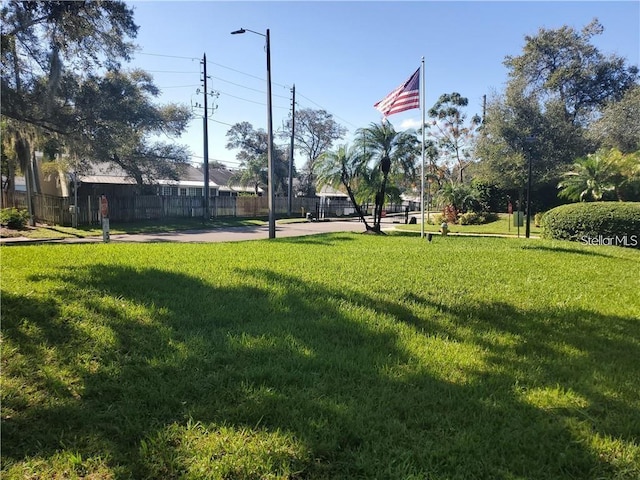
(104, 214)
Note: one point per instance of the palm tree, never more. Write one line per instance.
(253, 173)
(388, 149)
(456, 197)
(591, 177)
(345, 166)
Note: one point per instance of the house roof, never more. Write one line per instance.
(105, 173)
(113, 174)
(328, 191)
(223, 177)
(189, 176)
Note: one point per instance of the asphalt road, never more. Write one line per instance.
(231, 234)
(236, 234)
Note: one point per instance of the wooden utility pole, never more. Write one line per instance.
(293, 131)
(206, 142)
(484, 107)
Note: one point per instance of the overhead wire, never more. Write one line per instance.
(238, 85)
(249, 88)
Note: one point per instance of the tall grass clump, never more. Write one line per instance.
(327, 357)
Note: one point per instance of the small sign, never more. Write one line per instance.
(104, 206)
(509, 208)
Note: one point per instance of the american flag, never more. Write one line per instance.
(405, 97)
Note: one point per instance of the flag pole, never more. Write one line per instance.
(422, 103)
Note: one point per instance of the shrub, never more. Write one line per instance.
(488, 217)
(537, 219)
(469, 218)
(450, 214)
(473, 218)
(14, 218)
(610, 223)
(437, 219)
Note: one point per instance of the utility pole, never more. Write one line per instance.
(484, 107)
(293, 131)
(206, 141)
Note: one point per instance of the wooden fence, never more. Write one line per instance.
(58, 210)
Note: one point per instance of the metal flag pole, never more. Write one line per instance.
(422, 165)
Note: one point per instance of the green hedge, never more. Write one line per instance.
(596, 223)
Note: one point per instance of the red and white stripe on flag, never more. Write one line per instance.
(405, 97)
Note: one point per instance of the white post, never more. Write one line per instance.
(422, 164)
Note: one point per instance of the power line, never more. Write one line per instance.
(327, 110)
(247, 100)
(247, 74)
(167, 56)
(248, 88)
(218, 121)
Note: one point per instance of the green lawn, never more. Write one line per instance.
(337, 356)
(150, 226)
(502, 226)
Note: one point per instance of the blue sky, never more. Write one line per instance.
(345, 56)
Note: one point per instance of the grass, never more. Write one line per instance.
(502, 226)
(148, 227)
(336, 356)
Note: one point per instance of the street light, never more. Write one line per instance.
(272, 218)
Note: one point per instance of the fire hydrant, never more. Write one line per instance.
(444, 228)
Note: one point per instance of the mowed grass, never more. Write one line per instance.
(337, 356)
(502, 226)
(145, 226)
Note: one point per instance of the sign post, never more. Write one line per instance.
(104, 213)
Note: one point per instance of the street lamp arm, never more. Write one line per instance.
(244, 30)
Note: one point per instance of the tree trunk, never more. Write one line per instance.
(357, 207)
(23, 152)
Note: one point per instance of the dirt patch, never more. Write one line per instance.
(11, 233)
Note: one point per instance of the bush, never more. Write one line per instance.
(437, 219)
(469, 218)
(450, 214)
(537, 219)
(473, 218)
(14, 218)
(599, 223)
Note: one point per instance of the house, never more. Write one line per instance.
(109, 179)
(333, 202)
(227, 186)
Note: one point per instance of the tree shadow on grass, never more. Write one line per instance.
(578, 350)
(292, 357)
(331, 239)
(574, 251)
